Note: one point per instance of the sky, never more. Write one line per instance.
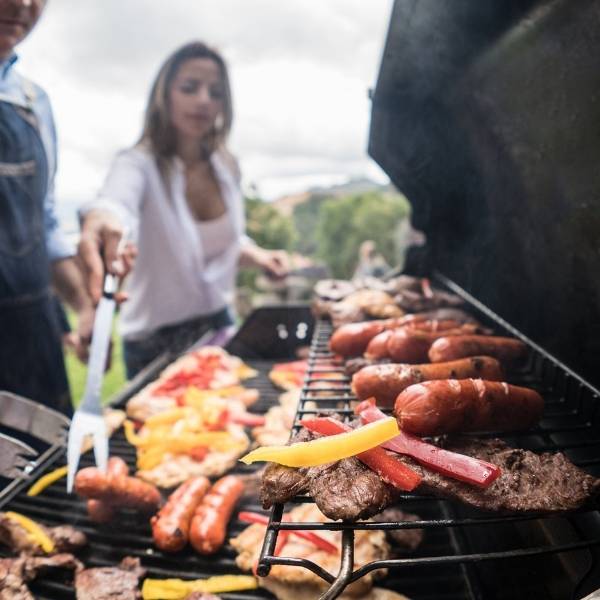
(300, 73)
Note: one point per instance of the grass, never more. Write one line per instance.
(114, 378)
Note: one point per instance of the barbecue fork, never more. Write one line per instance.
(88, 418)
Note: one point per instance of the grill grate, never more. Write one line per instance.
(130, 534)
(472, 555)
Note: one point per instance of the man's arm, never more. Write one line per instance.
(69, 284)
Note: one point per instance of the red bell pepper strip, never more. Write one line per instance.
(313, 538)
(247, 419)
(388, 468)
(458, 466)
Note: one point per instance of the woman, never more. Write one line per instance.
(177, 191)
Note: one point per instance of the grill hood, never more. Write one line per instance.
(486, 115)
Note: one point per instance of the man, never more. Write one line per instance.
(33, 256)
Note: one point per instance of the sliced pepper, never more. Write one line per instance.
(247, 419)
(389, 469)
(327, 449)
(34, 531)
(458, 466)
(314, 538)
(178, 589)
(47, 480)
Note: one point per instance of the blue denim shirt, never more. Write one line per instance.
(14, 86)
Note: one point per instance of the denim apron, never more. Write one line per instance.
(31, 358)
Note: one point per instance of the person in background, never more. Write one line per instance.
(370, 262)
(33, 254)
(177, 194)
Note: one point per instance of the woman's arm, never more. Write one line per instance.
(275, 263)
(105, 220)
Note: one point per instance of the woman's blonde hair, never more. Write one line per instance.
(159, 134)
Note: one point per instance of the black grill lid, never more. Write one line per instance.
(486, 115)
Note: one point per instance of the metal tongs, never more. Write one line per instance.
(88, 418)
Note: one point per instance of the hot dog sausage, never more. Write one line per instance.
(171, 526)
(352, 339)
(412, 345)
(385, 382)
(506, 350)
(453, 405)
(377, 347)
(209, 525)
(118, 490)
(98, 510)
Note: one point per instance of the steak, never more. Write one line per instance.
(529, 482)
(15, 572)
(111, 583)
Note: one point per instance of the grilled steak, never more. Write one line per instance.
(14, 572)
(529, 482)
(16, 537)
(111, 583)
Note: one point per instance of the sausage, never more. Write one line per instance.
(352, 339)
(377, 348)
(209, 525)
(98, 510)
(171, 526)
(506, 350)
(411, 345)
(119, 490)
(453, 405)
(385, 382)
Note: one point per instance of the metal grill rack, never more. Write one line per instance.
(130, 534)
(468, 554)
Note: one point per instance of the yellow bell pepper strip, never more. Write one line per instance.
(327, 449)
(392, 471)
(47, 480)
(178, 589)
(34, 531)
(458, 466)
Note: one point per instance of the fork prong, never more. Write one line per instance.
(73, 454)
(101, 445)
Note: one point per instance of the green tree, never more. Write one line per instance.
(346, 222)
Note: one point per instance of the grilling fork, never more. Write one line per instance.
(88, 419)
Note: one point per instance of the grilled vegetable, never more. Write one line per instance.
(47, 480)
(458, 466)
(387, 467)
(327, 449)
(178, 589)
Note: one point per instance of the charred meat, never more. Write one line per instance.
(111, 583)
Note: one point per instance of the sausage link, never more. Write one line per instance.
(385, 382)
(171, 526)
(352, 339)
(506, 350)
(454, 405)
(100, 511)
(121, 490)
(412, 345)
(209, 524)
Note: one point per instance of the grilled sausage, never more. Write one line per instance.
(209, 524)
(352, 339)
(385, 382)
(506, 350)
(119, 490)
(171, 526)
(100, 511)
(377, 347)
(453, 405)
(411, 345)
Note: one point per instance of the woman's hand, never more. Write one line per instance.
(101, 250)
(275, 263)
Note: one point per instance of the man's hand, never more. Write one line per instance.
(100, 252)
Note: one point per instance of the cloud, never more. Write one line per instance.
(300, 72)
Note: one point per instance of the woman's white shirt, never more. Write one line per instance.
(174, 278)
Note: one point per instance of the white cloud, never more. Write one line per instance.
(300, 70)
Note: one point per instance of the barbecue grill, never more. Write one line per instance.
(489, 173)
